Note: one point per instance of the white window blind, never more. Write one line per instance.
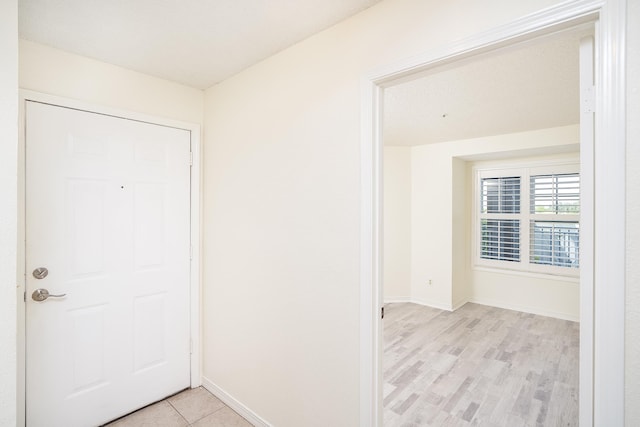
(528, 218)
(500, 235)
(555, 194)
(500, 239)
(555, 242)
(501, 195)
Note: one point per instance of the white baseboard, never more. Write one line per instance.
(460, 304)
(392, 300)
(234, 404)
(485, 301)
(525, 309)
(439, 305)
(419, 301)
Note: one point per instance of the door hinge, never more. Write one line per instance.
(24, 296)
(190, 158)
(382, 313)
(588, 100)
(190, 252)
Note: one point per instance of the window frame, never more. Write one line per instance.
(524, 170)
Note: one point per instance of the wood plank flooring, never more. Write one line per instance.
(478, 366)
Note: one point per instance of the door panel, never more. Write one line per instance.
(108, 214)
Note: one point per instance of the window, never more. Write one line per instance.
(555, 225)
(529, 219)
(500, 231)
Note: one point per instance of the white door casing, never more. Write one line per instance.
(587, 143)
(108, 214)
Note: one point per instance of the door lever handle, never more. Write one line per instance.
(42, 294)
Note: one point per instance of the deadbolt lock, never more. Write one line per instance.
(40, 273)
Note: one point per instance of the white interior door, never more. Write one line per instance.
(107, 214)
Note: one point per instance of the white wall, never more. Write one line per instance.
(441, 184)
(461, 205)
(281, 251)
(52, 71)
(632, 330)
(532, 293)
(397, 224)
(8, 207)
(304, 102)
(320, 78)
(431, 226)
(441, 231)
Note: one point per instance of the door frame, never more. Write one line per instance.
(195, 320)
(601, 287)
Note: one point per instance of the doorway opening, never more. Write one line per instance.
(478, 281)
(601, 337)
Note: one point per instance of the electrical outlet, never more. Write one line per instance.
(429, 283)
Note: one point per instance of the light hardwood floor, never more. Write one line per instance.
(478, 366)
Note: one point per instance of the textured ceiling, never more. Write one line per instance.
(195, 42)
(532, 87)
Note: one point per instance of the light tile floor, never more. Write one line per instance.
(479, 366)
(195, 407)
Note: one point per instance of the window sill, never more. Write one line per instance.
(532, 274)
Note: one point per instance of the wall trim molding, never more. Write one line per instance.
(460, 303)
(420, 301)
(394, 300)
(524, 309)
(234, 403)
(433, 304)
(484, 301)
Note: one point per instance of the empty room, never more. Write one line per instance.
(482, 303)
(192, 225)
